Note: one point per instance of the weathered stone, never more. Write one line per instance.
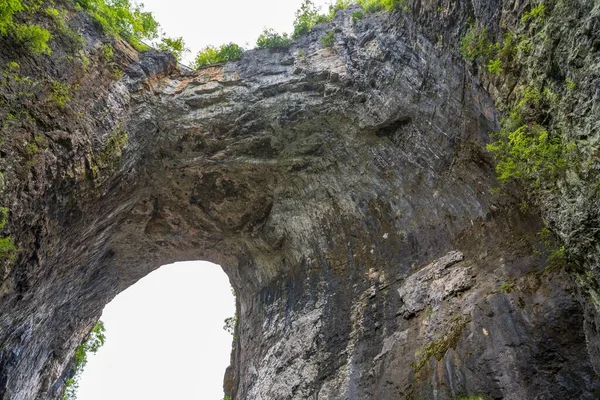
(320, 180)
(434, 283)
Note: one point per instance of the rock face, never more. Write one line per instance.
(346, 192)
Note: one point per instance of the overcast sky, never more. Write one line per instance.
(164, 335)
(164, 338)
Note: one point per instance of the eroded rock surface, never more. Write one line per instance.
(346, 193)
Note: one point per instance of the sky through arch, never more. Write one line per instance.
(164, 338)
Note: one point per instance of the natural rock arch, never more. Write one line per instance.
(322, 181)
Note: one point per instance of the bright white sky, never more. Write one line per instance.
(164, 338)
(164, 335)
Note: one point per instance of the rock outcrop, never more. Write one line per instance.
(346, 192)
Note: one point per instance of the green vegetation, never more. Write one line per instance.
(307, 17)
(471, 398)
(529, 148)
(229, 324)
(495, 67)
(107, 52)
(34, 37)
(61, 93)
(7, 245)
(475, 43)
(337, 6)
(439, 347)
(570, 84)
(536, 12)
(270, 39)
(10, 8)
(506, 287)
(129, 21)
(557, 258)
(525, 151)
(328, 39)
(380, 5)
(117, 17)
(123, 19)
(37, 146)
(110, 156)
(213, 55)
(90, 345)
(174, 45)
(357, 16)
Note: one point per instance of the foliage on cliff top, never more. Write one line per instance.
(214, 55)
(269, 39)
(92, 343)
(309, 15)
(117, 17)
(129, 21)
(122, 18)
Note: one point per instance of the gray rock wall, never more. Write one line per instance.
(346, 192)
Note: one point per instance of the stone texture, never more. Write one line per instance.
(346, 193)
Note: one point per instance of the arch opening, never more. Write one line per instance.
(164, 337)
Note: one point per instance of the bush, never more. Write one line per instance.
(213, 55)
(208, 55)
(307, 17)
(527, 153)
(175, 46)
(7, 11)
(379, 5)
(495, 66)
(34, 37)
(337, 6)
(533, 14)
(357, 15)
(328, 39)
(475, 43)
(270, 39)
(61, 93)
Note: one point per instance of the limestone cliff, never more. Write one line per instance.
(346, 192)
